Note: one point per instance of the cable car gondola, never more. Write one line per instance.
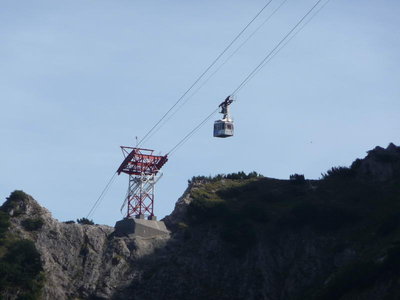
(224, 128)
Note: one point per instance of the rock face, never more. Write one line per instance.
(380, 164)
(179, 214)
(80, 261)
(257, 238)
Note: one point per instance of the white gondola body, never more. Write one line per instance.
(223, 128)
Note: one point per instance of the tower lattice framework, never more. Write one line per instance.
(143, 169)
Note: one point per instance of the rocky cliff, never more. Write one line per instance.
(232, 238)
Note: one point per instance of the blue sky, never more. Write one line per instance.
(80, 78)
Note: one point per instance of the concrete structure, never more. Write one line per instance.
(140, 227)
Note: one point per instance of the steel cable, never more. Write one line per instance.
(98, 201)
(204, 72)
(262, 63)
(190, 134)
(251, 75)
(288, 40)
(218, 69)
(268, 58)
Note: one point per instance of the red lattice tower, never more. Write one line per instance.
(143, 169)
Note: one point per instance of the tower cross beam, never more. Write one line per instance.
(143, 169)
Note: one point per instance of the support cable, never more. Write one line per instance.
(100, 198)
(190, 134)
(290, 39)
(205, 71)
(217, 70)
(268, 58)
(262, 63)
(98, 201)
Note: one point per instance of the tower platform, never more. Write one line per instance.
(140, 227)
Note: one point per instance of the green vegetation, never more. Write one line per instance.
(32, 224)
(220, 202)
(234, 176)
(243, 208)
(85, 221)
(339, 172)
(363, 213)
(17, 195)
(10, 204)
(70, 222)
(319, 217)
(4, 224)
(299, 178)
(361, 275)
(21, 270)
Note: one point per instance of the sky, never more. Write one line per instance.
(79, 79)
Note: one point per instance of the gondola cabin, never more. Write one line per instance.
(223, 128)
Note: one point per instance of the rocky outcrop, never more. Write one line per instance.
(380, 164)
(179, 214)
(79, 261)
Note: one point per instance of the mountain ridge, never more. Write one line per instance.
(245, 238)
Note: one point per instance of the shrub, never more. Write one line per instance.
(242, 175)
(199, 179)
(338, 173)
(11, 201)
(299, 178)
(70, 222)
(85, 221)
(17, 195)
(356, 164)
(233, 176)
(21, 270)
(25, 257)
(31, 224)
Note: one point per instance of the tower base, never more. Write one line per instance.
(140, 227)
